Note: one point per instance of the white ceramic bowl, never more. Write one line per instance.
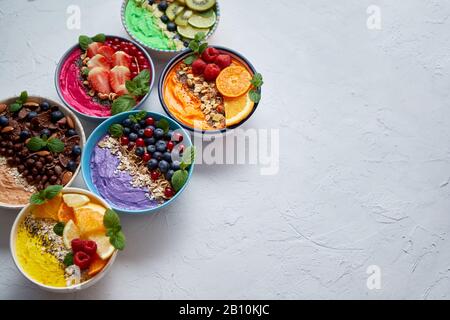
(78, 127)
(75, 288)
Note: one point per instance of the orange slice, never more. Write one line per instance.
(233, 81)
(48, 210)
(97, 265)
(237, 109)
(90, 219)
(65, 213)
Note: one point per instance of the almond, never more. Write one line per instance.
(3, 107)
(67, 176)
(7, 129)
(70, 122)
(43, 153)
(31, 105)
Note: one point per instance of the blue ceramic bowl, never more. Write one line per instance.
(98, 118)
(101, 131)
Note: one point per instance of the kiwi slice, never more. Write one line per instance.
(182, 1)
(200, 5)
(189, 32)
(203, 19)
(183, 18)
(173, 10)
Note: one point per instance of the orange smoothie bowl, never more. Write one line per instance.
(210, 93)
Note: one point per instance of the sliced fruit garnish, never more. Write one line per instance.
(99, 80)
(189, 31)
(121, 58)
(107, 52)
(173, 10)
(118, 76)
(104, 247)
(237, 109)
(65, 213)
(97, 265)
(98, 61)
(71, 231)
(233, 81)
(90, 218)
(48, 210)
(200, 5)
(203, 19)
(92, 49)
(75, 200)
(182, 19)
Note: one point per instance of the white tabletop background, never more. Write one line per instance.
(364, 120)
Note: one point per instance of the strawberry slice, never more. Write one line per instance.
(93, 48)
(98, 61)
(99, 80)
(121, 58)
(106, 51)
(117, 79)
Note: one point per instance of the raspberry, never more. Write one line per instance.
(212, 71)
(223, 61)
(210, 54)
(77, 245)
(90, 247)
(198, 66)
(82, 260)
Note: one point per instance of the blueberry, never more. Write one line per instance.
(31, 115)
(157, 155)
(168, 135)
(4, 121)
(126, 131)
(162, 6)
(169, 175)
(44, 106)
(167, 156)
(164, 18)
(150, 127)
(127, 123)
(161, 146)
(149, 141)
(158, 133)
(133, 136)
(151, 2)
(140, 151)
(46, 132)
(186, 43)
(164, 166)
(152, 164)
(142, 123)
(24, 135)
(72, 166)
(56, 116)
(76, 151)
(151, 149)
(69, 133)
(136, 127)
(176, 165)
(171, 26)
(141, 133)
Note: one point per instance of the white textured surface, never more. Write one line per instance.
(364, 122)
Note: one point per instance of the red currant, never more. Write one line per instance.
(168, 192)
(177, 137)
(124, 141)
(170, 145)
(134, 74)
(131, 146)
(149, 121)
(148, 132)
(154, 175)
(140, 142)
(146, 157)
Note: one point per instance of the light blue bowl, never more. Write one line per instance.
(102, 130)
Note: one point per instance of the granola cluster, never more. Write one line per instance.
(211, 101)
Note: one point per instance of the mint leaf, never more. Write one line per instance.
(118, 240)
(188, 156)
(202, 48)
(68, 259)
(254, 95)
(179, 179)
(37, 198)
(163, 124)
(123, 104)
(197, 45)
(189, 59)
(116, 130)
(139, 86)
(58, 228)
(52, 191)
(257, 80)
(84, 42)
(55, 145)
(15, 107)
(111, 219)
(199, 36)
(36, 144)
(99, 38)
(23, 97)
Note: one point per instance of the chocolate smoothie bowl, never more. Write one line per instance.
(40, 144)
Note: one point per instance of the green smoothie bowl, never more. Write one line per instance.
(167, 26)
